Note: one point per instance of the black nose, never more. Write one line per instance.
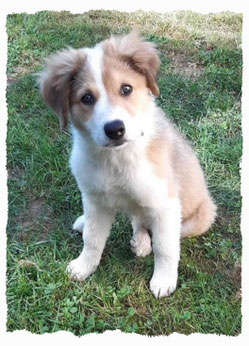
(114, 129)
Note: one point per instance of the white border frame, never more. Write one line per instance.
(112, 337)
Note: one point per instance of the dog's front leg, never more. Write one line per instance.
(97, 225)
(166, 227)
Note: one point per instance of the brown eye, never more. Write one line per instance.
(125, 89)
(88, 99)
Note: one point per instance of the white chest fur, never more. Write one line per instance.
(122, 178)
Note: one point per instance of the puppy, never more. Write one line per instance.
(126, 156)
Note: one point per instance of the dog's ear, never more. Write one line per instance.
(55, 80)
(140, 55)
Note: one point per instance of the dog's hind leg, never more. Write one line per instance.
(79, 224)
(140, 241)
(200, 221)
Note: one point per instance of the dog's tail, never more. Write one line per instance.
(200, 221)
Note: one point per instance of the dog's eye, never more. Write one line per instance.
(88, 99)
(125, 89)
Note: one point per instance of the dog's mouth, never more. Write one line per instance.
(117, 144)
(120, 143)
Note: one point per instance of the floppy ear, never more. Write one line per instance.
(55, 80)
(140, 55)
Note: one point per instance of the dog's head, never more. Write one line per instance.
(106, 91)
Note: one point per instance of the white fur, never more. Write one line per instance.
(122, 179)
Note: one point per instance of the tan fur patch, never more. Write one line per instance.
(115, 74)
(55, 80)
(136, 53)
(84, 83)
(159, 156)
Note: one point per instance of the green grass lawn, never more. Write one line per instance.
(200, 84)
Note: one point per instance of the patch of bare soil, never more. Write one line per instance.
(36, 218)
(180, 64)
(16, 74)
(15, 173)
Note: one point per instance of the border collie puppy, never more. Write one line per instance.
(126, 156)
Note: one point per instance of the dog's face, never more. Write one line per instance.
(105, 90)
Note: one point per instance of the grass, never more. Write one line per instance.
(200, 84)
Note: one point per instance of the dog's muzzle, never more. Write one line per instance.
(115, 130)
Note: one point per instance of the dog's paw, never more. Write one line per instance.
(79, 224)
(163, 286)
(141, 244)
(77, 270)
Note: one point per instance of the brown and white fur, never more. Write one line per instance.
(146, 169)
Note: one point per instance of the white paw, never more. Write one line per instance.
(163, 286)
(78, 271)
(141, 244)
(79, 224)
